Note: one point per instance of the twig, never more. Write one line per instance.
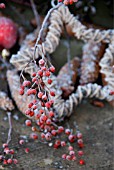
(43, 26)
(68, 53)
(36, 14)
(10, 127)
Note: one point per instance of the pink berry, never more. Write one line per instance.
(64, 156)
(9, 161)
(80, 153)
(26, 83)
(63, 143)
(27, 150)
(68, 157)
(5, 145)
(2, 5)
(79, 135)
(15, 161)
(71, 153)
(70, 148)
(21, 142)
(48, 136)
(73, 158)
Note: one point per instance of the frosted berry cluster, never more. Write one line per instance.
(41, 109)
(68, 2)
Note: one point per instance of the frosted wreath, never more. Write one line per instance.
(57, 18)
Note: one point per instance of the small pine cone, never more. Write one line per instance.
(5, 102)
(67, 77)
(92, 53)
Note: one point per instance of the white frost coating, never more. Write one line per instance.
(57, 19)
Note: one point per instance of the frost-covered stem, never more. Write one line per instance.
(35, 14)
(43, 26)
(10, 127)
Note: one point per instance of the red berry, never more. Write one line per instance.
(81, 162)
(34, 136)
(47, 104)
(51, 114)
(33, 74)
(5, 162)
(47, 73)
(52, 93)
(71, 138)
(49, 81)
(43, 68)
(53, 132)
(26, 83)
(12, 151)
(67, 131)
(40, 94)
(28, 122)
(8, 33)
(34, 129)
(73, 157)
(52, 69)
(30, 105)
(60, 129)
(21, 91)
(80, 153)
(41, 62)
(58, 142)
(40, 73)
(42, 135)
(34, 79)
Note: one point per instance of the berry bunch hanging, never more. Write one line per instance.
(41, 109)
(68, 2)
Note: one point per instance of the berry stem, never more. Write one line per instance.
(10, 127)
